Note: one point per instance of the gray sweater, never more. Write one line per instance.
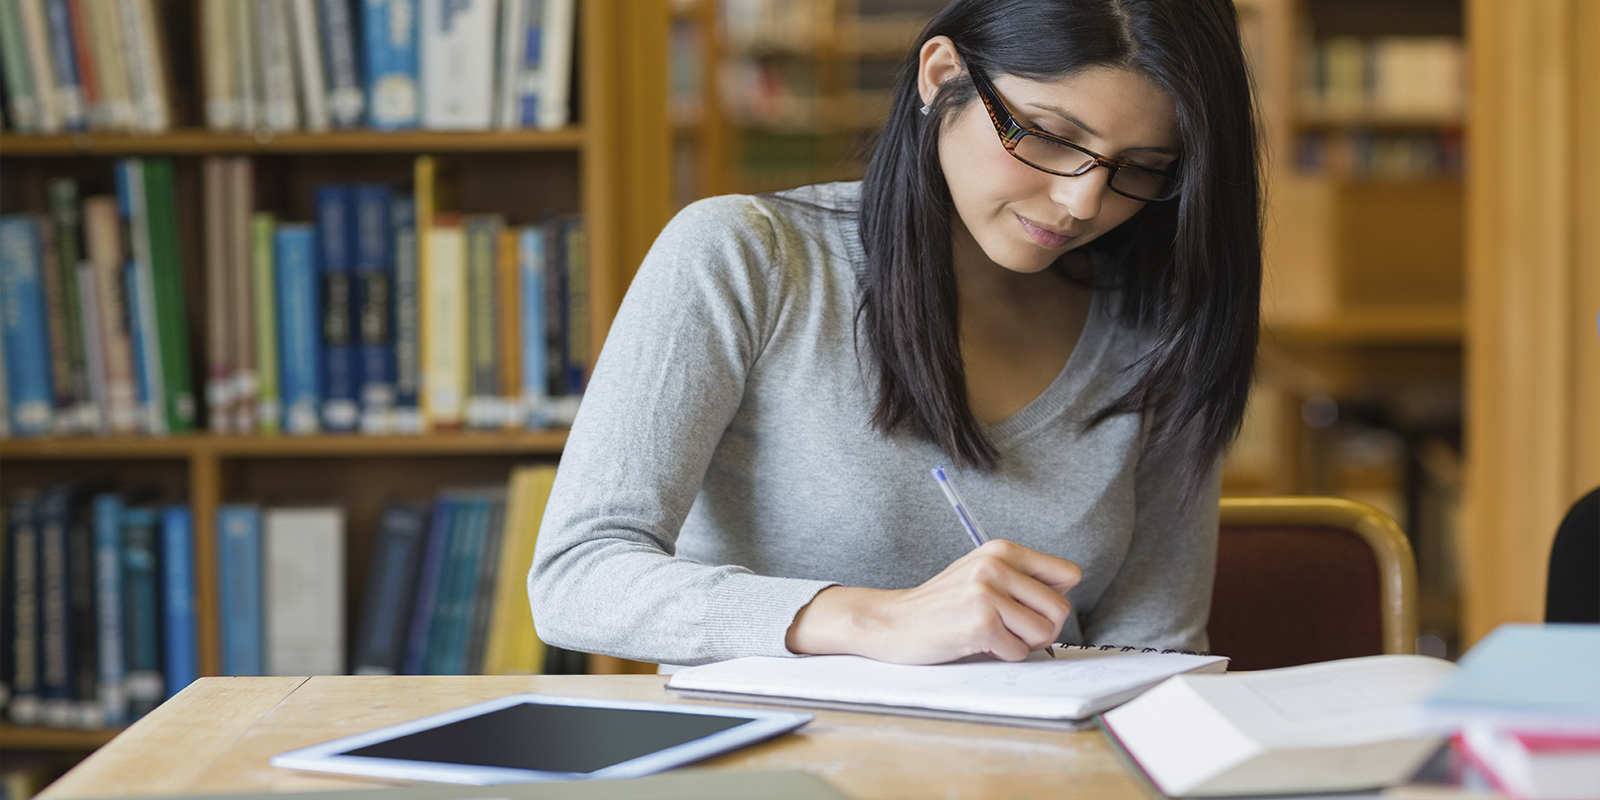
(722, 469)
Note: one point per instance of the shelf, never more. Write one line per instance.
(19, 737)
(197, 141)
(1320, 119)
(532, 443)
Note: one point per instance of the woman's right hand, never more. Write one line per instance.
(1002, 599)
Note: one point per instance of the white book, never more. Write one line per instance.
(458, 63)
(513, 40)
(1061, 690)
(274, 41)
(303, 590)
(142, 44)
(246, 62)
(444, 314)
(555, 63)
(308, 57)
(1334, 726)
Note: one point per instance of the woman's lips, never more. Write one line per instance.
(1044, 237)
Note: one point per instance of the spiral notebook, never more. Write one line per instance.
(1061, 691)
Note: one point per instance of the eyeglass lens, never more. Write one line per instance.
(1058, 157)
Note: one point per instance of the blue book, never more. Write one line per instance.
(137, 330)
(53, 516)
(112, 692)
(535, 369)
(532, 51)
(574, 254)
(464, 587)
(145, 333)
(141, 610)
(407, 320)
(29, 386)
(341, 410)
(380, 644)
(239, 575)
(299, 340)
(389, 30)
(1532, 677)
(346, 100)
(441, 633)
(22, 567)
(177, 589)
(433, 562)
(64, 61)
(374, 305)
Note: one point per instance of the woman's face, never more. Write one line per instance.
(1024, 219)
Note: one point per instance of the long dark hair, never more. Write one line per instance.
(1190, 267)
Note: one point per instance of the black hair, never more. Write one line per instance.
(1189, 267)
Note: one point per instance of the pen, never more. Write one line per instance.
(967, 520)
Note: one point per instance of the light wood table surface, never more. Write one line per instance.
(217, 735)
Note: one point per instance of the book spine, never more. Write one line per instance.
(104, 239)
(93, 346)
(346, 101)
(407, 416)
(555, 311)
(55, 325)
(36, 41)
(483, 358)
(64, 59)
(303, 591)
(241, 301)
(220, 75)
(26, 336)
(83, 51)
(530, 78)
(391, 591)
(67, 220)
(575, 268)
(535, 373)
(431, 570)
(177, 589)
(308, 54)
(219, 393)
(294, 253)
(171, 316)
(374, 306)
(445, 325)
(239, 569)
(390, 35)
(143, 46)
(130, 176)
(483, 595)
(274, 42)
(246, 62)
(458, 64)
(513, 35)
(508, 334)
(341, 410)
(263, 271)
(555, 56)
(111, 64)
(441, 633)
(55, 632)
(87, 709)
(26, 706)
(5, 428)
(141, 372)
(111, 686)
(141, 610)
(22, 106)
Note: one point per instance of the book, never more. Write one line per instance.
(242, 289)
(275, 46)
(180, 656)
(219, 75)
(1565, 766)
(171, 316)
(458, 63)
(346, 100)
(239, 578)
(53, 516)
(55, 325)
(93, 346)
(88, 710)
(143, 334)
(431, 570)
(303, 590)
(142, 42)
(141, 610)
(1536, 678)
(508, 330)
(264, 297)
(512, 51)
(247, 65)
(104, 243)
(36, 44)
(64, 61)
(444, 324)
(66, 223)
(340, 387)
(512, 646)
(556, 30)
(22, 560)
(533, 346)
(220, 397)
(1333, 726)
(299, 309)
(22, 325)
(22, 106)
(575, 335)
(483, 358)
(406, 417)
(389, 29)
(380, 642)
(116, 111)
(447, 633)
(111, 648)
(483, 594)
(1060, 690)
(84, 58)
(373, 305)
(309, 68)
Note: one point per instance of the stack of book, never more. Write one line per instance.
(99, 592)
(1525, 708)
(85, 65)
(1396, 76)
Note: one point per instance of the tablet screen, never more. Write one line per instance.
(554, 738)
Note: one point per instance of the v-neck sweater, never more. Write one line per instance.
(723, 468)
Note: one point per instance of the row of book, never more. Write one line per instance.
(1362, 153)
(1423, 76)
(99, 589)
(291, 64)
(364, 320)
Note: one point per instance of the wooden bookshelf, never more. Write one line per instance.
(31, 737)
(198, 142)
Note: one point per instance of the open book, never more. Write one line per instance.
(1335, 726)
(1043, 691)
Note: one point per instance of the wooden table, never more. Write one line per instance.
(217, 735)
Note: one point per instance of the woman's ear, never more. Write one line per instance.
(937, 62)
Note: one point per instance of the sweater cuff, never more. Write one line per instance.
(750, 615)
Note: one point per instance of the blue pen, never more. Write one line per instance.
(967, 520)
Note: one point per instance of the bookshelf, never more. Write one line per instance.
(611, 165)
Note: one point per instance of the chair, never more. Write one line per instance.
(1305, 579)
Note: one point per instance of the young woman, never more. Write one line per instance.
(1048, 282)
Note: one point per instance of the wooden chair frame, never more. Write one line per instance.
(1397, 566)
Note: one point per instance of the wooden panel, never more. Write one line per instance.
(1399, 243)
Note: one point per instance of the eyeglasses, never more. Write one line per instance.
(1047, 152)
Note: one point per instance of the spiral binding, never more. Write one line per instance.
(1133, 649)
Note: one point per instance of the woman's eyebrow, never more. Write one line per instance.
(1068, 116)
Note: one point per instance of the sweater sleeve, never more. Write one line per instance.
(605, 576)
(1161, 596)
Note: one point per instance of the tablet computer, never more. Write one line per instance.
(533, 737)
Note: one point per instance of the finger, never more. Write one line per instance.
(1028, 625)
(1053, 571)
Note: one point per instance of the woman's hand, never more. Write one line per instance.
(1002, 599)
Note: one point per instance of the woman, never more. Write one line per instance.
(1048, 281)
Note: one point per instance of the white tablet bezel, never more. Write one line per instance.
(327, 756)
